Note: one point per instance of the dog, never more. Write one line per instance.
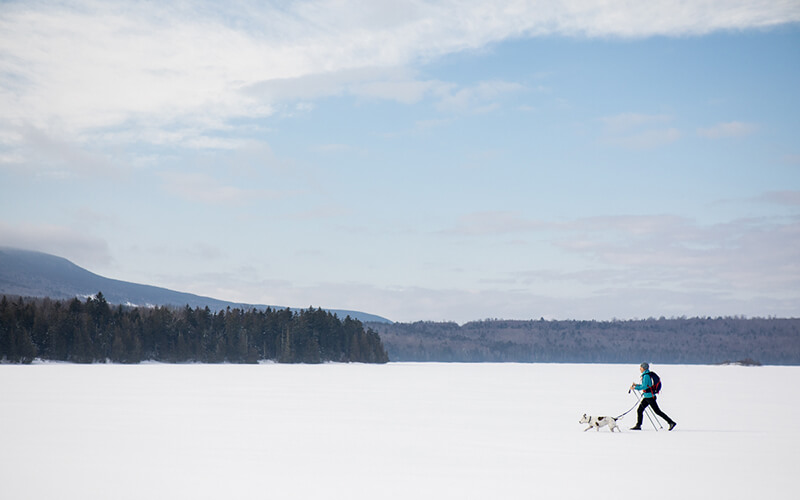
(598, 422)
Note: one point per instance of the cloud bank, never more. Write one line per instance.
(87, 65)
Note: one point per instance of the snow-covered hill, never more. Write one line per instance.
(35, 274)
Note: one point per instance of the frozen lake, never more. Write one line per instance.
(400, 430)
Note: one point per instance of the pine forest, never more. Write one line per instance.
(93, 331)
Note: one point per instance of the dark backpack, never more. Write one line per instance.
(655, 383)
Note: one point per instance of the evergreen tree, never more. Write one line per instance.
(93, 331)
(6, 322)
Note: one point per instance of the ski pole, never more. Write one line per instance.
(639, 398)
(652, 414)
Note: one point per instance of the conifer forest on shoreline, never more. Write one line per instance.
(94, 331)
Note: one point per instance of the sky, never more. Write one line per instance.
(417, 160)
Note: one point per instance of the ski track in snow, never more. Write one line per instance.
(402, 430)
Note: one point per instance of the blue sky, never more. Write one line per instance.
(416, 160)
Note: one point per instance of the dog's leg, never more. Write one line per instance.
(586, 429)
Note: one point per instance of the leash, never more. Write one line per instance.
(632, 407)
(638, 400)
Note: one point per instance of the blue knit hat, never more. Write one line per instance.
(645, 365)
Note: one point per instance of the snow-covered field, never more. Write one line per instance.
(410, 431)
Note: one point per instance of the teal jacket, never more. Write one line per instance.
(646, 382)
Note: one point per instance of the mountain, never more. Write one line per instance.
(34, 274)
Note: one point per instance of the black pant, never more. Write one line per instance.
(651, 402)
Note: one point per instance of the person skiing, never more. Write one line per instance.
(648, 399)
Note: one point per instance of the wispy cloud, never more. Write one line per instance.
(73, 243)
(638, 130)
(391, 83)
(49, 155)
(727, 129)
(744, 254)
(662, 251)
(402, 303)
(88, 65)
(785, 197)
(482, 96)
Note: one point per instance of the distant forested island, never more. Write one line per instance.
(664, 340)
(94, 331)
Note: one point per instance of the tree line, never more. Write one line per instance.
(664, 340)
(95, 331)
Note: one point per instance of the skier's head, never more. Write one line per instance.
(644, 366)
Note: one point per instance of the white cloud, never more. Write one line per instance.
(481, 96)
(741, 256)
(192, 137)
(741, 259)
(405, 91)
(68, 242)
(619, 299)
(375, 83)
(727, 129)
(638, 131)
(80, 66)
(58, 156)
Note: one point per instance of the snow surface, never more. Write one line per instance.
(402, 430)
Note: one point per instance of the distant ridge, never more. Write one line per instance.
(35, 274)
